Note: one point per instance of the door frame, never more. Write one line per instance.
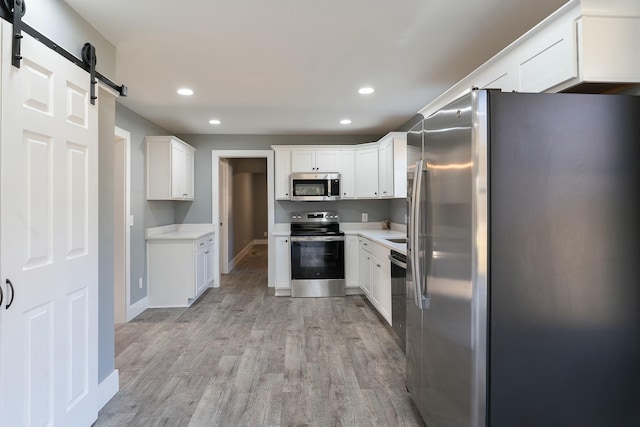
(218, 192)
(123, 136)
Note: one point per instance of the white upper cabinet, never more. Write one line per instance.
(583, 47)
(282, 172)
(366, 161)
(392, 165)
(170, 168)
(316, 161)
(348, 176)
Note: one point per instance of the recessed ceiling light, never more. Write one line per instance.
(365, 90)
(185, 91)
(345, 122)
(215, 121)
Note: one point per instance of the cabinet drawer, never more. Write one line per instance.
(202, 243)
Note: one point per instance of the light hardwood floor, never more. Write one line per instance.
(240, 356)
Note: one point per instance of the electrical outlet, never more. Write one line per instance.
(140, 283)
(265, 234)
(365, 217)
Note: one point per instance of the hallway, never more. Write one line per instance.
(240, 356)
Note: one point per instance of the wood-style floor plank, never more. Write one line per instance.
(240, 356)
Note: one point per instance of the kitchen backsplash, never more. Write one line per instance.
(349, 210)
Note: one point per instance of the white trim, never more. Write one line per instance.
(261, 242)
(241, 255)
(216, 155)
(283, 292)
(107, 389)
(353, 290)
(125, 136)
(137, 308)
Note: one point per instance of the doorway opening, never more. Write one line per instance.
(122, 223)
(242, 206)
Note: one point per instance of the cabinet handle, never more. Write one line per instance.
(1, 296)
(201, 244)
(13, 293)
(206, 252)
(377, 265)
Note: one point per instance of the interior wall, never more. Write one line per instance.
(56, 20)
(106, 137)
(260, 214)
(199, 211)
(242, 211)
(145, 213)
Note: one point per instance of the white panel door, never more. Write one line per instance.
(48, 217)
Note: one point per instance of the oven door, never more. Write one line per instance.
(317, 257)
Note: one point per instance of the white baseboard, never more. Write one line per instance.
(283, 292)
(137, 308)
(108, 388)
(238, 257)
(261, 242)
(356, 290)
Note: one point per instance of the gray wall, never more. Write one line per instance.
(200, 210)
(106, 333)
(260, 210)
(241, 228)
(56, 20)
(145, 213)
(349, 210)
(59, 22)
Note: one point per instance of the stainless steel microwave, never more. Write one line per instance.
(306, 187)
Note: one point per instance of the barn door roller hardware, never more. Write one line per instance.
(14, 10)
(89, 57)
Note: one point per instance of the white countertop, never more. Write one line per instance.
(380, 237)
(178, 231)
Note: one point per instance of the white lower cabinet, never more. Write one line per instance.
(283, 262)
(351, 262)
(375, 275)
(179, 270)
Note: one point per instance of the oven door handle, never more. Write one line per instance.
(397, 262)
(317, 238)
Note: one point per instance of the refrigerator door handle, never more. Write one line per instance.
(420, 299)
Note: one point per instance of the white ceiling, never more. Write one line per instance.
(294, 66)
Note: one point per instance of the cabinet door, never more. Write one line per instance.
(351, 261)
(364, 267)
(385, 169)
(283, 256)
(303, 161)
(328, 161)
(209, 262)
(367, 173)
(201, 275)
(348, 176)
(282, 174)
(187, 175)
(381, 287)
(177, 171)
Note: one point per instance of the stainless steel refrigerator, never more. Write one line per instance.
(523, 282)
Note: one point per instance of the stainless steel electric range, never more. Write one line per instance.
(317, 255)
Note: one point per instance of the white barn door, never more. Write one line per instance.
(49, 233)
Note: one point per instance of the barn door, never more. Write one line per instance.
(49, 231)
